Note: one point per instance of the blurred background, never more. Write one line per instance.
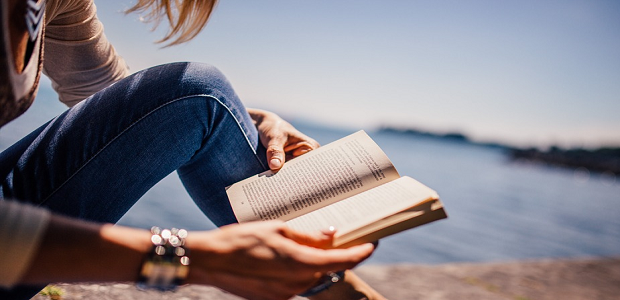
(453, 91)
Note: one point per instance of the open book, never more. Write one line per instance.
(350, 184)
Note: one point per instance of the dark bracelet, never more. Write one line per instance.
(167, 265)
(326, 281)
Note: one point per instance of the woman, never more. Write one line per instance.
(73, 177)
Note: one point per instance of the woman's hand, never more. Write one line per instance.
(280, 138)
(266, 260)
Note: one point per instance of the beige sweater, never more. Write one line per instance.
(80, 61)
(78, 58)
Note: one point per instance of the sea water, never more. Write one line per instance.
(498, 209)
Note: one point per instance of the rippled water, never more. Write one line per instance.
(498, 209)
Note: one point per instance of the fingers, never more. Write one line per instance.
(321, 239)
(335, 259)
(285, 145)
(288, 145)
(302, 142)
(280, 138)
(300, 147)
(313, 249)
(324, 259)
(268, 258)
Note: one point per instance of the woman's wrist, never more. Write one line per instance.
(201, 245)
(124, 249)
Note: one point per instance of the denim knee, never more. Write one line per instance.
(153, 88)
(203, 79)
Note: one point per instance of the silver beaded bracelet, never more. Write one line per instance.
(167, 265)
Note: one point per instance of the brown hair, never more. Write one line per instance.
(185, 17)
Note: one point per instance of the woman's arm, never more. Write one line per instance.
(72, 27)
(264, 260)
(77, 251)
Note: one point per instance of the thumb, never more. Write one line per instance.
(275, 154)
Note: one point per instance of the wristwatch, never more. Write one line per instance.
(326, 281)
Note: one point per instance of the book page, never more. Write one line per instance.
(323, 176)
(418, 215)
(366, 208)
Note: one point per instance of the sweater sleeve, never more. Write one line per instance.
(21, 230)
(78, 57)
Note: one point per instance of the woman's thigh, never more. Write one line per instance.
(99, 157)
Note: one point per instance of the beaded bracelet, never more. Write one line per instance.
(167, 265)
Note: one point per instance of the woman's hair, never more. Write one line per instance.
(185, 17)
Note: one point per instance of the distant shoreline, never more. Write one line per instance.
(605, 160)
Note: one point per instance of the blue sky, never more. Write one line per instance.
(522, 72)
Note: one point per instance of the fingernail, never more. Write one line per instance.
(329, 231)
(275, 163)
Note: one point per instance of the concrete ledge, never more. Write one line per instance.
(573, 279)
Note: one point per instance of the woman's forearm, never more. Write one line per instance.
(77, 251)
(258, 258)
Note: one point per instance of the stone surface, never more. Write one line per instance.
(526, 280)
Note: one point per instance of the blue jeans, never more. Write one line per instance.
(97, 159)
